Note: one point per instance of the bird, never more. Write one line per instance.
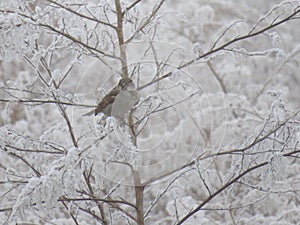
(119, 101)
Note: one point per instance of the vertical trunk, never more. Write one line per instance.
(139, 198)
(121, 39)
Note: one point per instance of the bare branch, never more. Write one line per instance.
(244, 37)
(222, 47)
(139, 197)
(40, 101)
(75, 40)
(131, 6)
(216, 193)
(216, 75)
(120, 34)
(70, 213)
(257, 140)
(66, 117)
(34, 151)
(37, 173)
(148, 20)
(82, 15)
(91, 190)
(99, 200)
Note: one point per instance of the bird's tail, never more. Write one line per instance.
(90, 113)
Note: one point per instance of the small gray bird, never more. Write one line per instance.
(119, 101)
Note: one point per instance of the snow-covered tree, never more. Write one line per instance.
(214, 138)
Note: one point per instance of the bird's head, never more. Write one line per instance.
(125, 83)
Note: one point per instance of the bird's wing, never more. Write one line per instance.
(107, 100)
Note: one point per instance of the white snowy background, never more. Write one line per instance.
(214, 138)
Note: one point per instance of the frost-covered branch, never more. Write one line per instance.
(206, 155)
(216, 49)
(41, 101)
(216, 193)
(37, 173)
(212, 141)
(81, 15)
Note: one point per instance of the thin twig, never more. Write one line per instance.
(47, 101)
(222, 47)
(82, 15)
(130, 6)
(216, 193)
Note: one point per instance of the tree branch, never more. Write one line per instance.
(228, 184)
(120, 34)
(222, 47)
(82, 15)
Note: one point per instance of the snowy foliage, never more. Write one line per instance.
(214, 138)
